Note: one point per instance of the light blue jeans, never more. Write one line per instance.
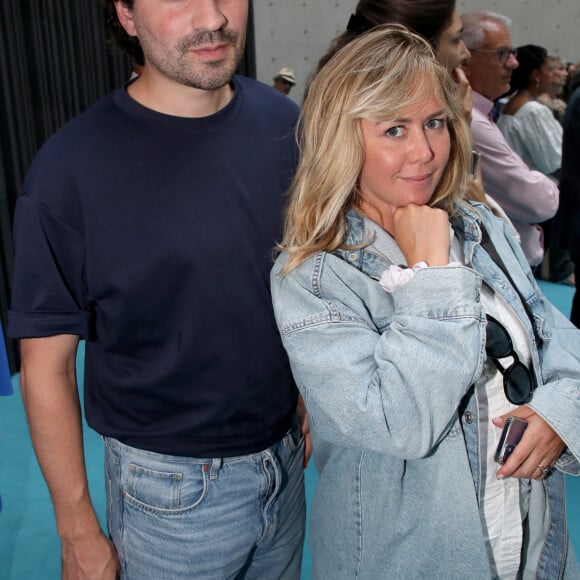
(180, 517)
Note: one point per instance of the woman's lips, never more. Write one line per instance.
(419, 179)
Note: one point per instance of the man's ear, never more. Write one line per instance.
(125, 16)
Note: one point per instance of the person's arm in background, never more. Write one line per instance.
(525, 195)
(51, 399)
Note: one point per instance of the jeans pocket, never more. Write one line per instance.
(165, 492)
(294, 438)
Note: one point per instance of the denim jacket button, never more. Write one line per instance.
(352, 257)
(468, 416)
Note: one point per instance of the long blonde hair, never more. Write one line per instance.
(373, 77)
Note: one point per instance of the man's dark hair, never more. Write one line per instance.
(130, 44)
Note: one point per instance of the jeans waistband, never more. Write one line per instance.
(291, 439)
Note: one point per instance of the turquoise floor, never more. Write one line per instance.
(29, 547)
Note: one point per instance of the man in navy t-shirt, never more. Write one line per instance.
(146, 227)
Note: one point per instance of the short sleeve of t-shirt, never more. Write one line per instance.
(49, 293)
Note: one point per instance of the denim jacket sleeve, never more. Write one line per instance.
(384, 372)
(557, 400)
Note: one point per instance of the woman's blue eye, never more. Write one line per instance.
(435, 123)
(394, 131)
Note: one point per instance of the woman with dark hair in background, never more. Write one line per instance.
(535, 135)
(529, 126)
(428, 18)
(435, 20)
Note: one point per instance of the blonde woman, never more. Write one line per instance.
(415, 329)
(438, 22)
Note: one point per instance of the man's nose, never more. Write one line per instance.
(207, 15)
(512, 62)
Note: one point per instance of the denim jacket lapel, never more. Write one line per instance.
(379, 249)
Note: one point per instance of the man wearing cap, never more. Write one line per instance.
(284, 80)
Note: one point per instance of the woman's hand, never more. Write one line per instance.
(464, 92)
(422, 233)
(539, 446)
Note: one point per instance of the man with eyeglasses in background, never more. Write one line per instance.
(528, 197)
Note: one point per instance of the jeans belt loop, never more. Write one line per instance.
(216, 464)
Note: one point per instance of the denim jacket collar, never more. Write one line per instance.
(373, 258)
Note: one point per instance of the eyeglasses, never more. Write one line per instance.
(518, 382)
(502, 53)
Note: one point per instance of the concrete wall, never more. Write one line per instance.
(296, 33)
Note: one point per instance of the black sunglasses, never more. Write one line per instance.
(518, 382)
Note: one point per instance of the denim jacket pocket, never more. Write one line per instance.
(165, 492)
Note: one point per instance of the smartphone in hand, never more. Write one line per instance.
(512, 433)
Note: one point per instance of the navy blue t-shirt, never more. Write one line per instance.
(152, 237)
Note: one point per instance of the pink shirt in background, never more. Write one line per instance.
(528, 197)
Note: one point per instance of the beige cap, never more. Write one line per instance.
(287, 74)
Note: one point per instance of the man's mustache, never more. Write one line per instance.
(205, 37)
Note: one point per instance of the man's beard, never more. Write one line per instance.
(208, 76)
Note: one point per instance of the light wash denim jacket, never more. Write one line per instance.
(386, 380)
